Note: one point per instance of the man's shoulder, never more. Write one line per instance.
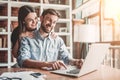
(58, 39)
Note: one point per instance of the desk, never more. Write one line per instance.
(103, 73)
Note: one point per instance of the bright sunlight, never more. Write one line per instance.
(112, 8)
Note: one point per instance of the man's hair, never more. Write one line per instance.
(50, 11)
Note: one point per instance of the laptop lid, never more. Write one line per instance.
(95, 57)
(93, 60)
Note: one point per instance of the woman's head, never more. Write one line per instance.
(27, 18)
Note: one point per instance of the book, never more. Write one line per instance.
(4, 41)
(3, 10)
(3, 57)
(0, 42)
(46, 1)
(14, 11)
(13, 25)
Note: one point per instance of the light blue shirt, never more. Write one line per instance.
(43, 49)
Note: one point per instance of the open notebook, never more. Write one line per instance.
(93, 60)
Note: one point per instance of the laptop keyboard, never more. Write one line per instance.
(74, 71)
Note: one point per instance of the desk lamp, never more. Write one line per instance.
(88, 34)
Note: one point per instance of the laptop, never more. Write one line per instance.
(93, 60)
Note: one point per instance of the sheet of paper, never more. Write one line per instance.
(24, 75)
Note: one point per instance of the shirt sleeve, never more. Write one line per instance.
(24, 51)
(64, 53)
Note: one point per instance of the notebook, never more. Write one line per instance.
(93, 60)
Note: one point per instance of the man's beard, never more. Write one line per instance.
(44, 29)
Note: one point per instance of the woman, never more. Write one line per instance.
(27, 24)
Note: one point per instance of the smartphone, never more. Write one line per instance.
(36, 75)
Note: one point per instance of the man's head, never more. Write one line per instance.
(27, 18)
(49, 19)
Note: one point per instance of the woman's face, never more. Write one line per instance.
(31, 21)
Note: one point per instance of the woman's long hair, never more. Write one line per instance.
(22, 13)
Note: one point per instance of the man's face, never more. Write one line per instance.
(48, 22)
(31, 21)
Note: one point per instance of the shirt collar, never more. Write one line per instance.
(38, 35)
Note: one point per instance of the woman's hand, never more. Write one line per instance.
(53, 35)
(27, 34)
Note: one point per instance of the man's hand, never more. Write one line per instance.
(78, 62)
(57, 65)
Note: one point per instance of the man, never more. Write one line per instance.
(27, 24)
(44, 51)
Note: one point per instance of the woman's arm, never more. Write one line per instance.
(16, 46)
(15, 49)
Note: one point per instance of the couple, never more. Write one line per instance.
(40, 48)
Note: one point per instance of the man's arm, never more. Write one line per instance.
(30, 58)
(65, 56)
(38, 64)
(34, 63)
